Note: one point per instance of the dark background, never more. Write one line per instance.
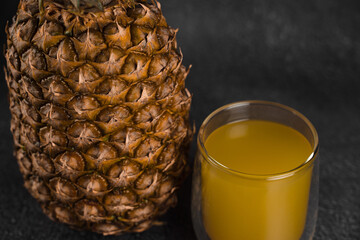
(305, 54)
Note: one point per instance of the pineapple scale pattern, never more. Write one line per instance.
(100, 112)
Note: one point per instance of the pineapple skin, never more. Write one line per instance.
(100, 112)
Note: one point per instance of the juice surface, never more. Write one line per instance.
(258, 147)
(237, 208)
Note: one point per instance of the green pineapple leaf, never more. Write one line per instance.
(76, 3)
(88, 3)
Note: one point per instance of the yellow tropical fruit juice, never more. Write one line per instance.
(235, 207)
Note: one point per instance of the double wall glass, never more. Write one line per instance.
(228, 204)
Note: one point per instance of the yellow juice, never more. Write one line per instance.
(239, 208)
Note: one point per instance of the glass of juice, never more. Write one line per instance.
(256, 174)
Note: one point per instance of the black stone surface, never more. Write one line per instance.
(305, 54)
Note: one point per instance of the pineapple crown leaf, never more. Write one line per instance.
(88, 3)
(76, 3)
(41, 7)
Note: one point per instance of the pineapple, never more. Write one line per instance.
(100, 112)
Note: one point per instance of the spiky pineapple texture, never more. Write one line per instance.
(99, 111)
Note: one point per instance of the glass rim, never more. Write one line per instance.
(273, 176)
